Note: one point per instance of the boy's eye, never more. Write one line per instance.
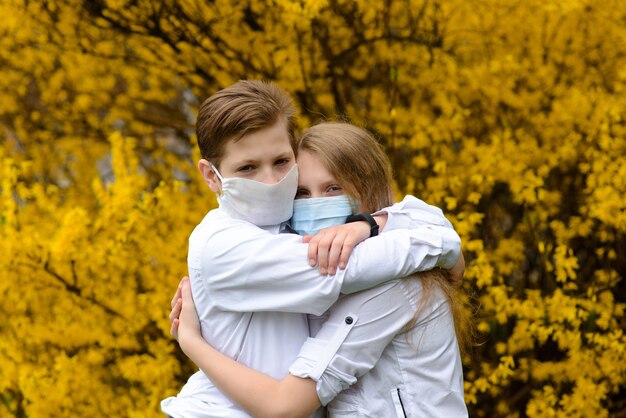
(281, 161)
(245, 168)
(301, 193)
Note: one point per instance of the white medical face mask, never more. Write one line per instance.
(258, 203)
(313, 214)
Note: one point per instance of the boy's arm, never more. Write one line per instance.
(412, 212)
(330, 248)
(247, 269)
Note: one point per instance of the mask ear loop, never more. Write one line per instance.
(219, 176)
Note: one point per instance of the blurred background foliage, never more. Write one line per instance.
(508, 114)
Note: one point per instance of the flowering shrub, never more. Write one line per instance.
(509, 115)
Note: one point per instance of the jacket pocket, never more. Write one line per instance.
(396, 397)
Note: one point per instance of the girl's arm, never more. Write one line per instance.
(259, 394)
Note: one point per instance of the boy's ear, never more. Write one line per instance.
(209, 176)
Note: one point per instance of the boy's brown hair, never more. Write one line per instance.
(243, 108)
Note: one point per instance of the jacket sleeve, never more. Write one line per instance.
(412, 212)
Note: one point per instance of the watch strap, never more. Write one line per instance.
(367, 218)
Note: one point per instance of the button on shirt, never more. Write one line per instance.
(252, 287)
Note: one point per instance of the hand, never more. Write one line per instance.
(184, 318)
(331, 247)
(176, 304)
(456, 272)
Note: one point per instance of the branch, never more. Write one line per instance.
(78, 291)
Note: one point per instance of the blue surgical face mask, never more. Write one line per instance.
(313, 214)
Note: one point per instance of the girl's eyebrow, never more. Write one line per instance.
(331, 183)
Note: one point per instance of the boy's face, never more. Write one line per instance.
(265, 156)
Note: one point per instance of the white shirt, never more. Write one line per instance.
(252, 286)
(412, 374)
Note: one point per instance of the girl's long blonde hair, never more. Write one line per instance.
(355, 159)
(362, 169)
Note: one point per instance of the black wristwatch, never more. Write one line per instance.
(367, 218)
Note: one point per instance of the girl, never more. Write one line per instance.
(398, 339)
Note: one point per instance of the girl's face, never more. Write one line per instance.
(314, 180)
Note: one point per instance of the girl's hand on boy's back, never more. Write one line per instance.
(331, 247)
(456, 272)
(184, 318)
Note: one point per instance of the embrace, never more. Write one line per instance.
(310, 293)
